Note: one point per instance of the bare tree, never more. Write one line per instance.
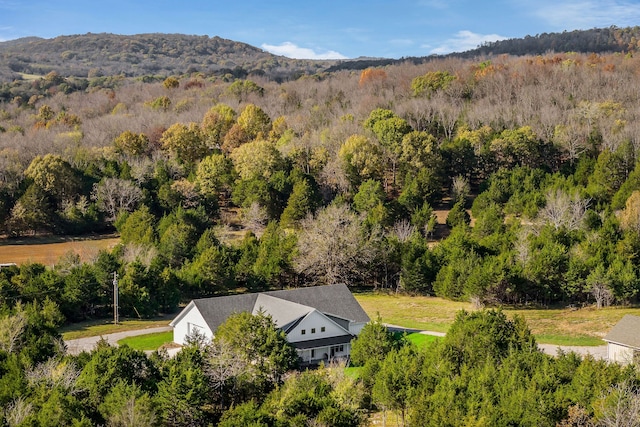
(598, 287)
(620, 406)
(224, 367)
(255, 218)
(460, 189)
(115, 195)
(54, 373)
(332, 246)
(11, 328)
(564, 210)
(133, 414)
(17, 412)
(403, 230)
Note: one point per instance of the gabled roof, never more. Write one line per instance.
(626, 332)
(283, 312)
(334, 300)
(285, 306)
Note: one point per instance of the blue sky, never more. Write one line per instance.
(322, 28)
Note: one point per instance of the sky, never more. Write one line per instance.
(321, 29)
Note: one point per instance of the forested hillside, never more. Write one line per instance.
(541, 149)
(219, 185)
(93, 55)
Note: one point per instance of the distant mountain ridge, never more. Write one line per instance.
(143, 54)
(161, 54)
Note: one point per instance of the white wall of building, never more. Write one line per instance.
(619, 353)
(356, 327)
(190, 321)
(311, 328)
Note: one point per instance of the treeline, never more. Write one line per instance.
(486, 371)
(216, 186)
(595, 40)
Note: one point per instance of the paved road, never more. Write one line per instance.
(87, 344)
(598, 352)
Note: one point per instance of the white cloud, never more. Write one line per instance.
(586, 14)
(464, 40)
(291, 50)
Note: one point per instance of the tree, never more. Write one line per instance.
(171, 83)
(630, 215)
(332, 246)
(259, 158)
(216, 123)
(254, 122)
(564, 210)
(260, 343)
(185, 142)
(127, 406)
(476, 338)
(431, 82)
(138, 227)
(458, 215)
(361, 159)
(302, 201)
(397, 379)
(132, 144)
(374, 342)
(54, 176)
(390, 131)
(31, 213)
(114, 196)
(214, 174)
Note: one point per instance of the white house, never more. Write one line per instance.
(623, 341)
(319, 321)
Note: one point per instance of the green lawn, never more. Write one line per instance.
(148, 341)
(559, 326)
(422, 340)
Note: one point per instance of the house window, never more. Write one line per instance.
(313, 330)
(322, 329)
(313, 353)
(304, 331)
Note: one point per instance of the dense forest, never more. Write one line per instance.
(221, 184)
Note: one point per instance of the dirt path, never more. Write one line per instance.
(87, 344)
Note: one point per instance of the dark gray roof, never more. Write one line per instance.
(323, 342)
(626, 332)
(217, 309)
(334, 300)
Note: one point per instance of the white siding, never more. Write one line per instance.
(190, 321)
(619, 353)
(312, 326)
(356, 328)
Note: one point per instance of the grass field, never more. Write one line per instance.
(149, 341)
(559, 326)
(47, 250)
(105, 326)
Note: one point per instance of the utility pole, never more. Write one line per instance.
(115, 298)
